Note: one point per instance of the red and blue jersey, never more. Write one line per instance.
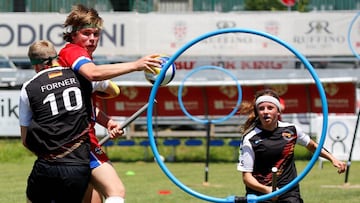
(75, 56)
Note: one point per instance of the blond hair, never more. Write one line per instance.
(81, 17)
(42, 52)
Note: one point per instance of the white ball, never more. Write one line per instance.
(169, 75)
(162, 158)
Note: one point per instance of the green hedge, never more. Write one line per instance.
(12, 150)
(185, 153)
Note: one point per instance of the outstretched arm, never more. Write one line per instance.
(340, 165)
(94, 72)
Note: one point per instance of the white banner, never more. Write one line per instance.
(134, 34)
(339, 136)
(9, 113)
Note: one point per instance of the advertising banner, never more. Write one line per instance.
(339, 136)
(199, 101)
(9, 113)
(341, 98)
(221, 100)
(136, 34)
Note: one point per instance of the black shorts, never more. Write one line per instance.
(286, 200)
(57, 182)
(291, 196)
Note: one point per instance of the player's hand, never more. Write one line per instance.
(114, 129)
(340, 165)
(269, 189)
(148, 63)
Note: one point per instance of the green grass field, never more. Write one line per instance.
(145, 181)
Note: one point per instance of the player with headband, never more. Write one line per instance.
(83, 28)
(54, 113)
(269, 142)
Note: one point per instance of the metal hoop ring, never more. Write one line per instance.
(250, 198)
(205, 121)
(349, 36)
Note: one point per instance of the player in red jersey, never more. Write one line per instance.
(82, 30)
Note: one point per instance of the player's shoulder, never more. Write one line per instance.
(56, 69)
(39, 74)
(289, 126)
(55, 72)
(73, 49)
(251, 133)
(69, 47)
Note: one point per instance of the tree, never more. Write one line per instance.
(274, 5)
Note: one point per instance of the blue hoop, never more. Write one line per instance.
(206, 121)
(250, 198)
(349, 36)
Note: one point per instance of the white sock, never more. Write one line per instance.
(114, 200)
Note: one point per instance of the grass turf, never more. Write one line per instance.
(145, 182)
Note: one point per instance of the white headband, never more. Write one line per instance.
(267, 98)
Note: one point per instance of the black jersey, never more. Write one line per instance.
(60, 102)
(261, 150)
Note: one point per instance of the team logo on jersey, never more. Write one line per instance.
(98, 150)
(258, 141)
(288, 135)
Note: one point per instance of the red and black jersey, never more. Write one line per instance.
(60, 103)
(261, 150)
